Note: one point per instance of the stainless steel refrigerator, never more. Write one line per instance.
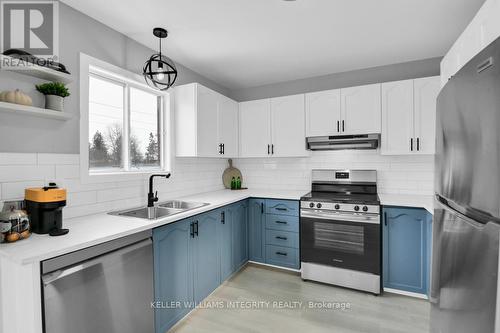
(465, 259)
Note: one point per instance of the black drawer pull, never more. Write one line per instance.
(282, 209)
(282, 222)
(281, 237)
(281, 253)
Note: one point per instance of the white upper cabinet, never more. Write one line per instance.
(323, 113)
(409, 116)
(228, 126)
(255, 128)
(397, 117)
(426, 91)
(273, 127)
(287, 126)
(206, 123)
(481, 31)
(361, 109)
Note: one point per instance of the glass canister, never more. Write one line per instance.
(14, 224)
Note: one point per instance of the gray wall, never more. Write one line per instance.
(402, 71)
(77, 33)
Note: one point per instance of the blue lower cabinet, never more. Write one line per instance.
(282, 238)
(282, 207)
(240, 234)
(187, 266)
(173, 277)
(282, 256)
(406, 249)
(193, 257)
(206, 269)
(256, 229)
(226, 243)
(282, 222)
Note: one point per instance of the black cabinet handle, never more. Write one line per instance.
(268, 149)
(418, 144)
(281, 237)
(411, 144)
(262, 208)
(272, 149)
(223, 149)
(223, 217)
(338, 126)
(281, 222)
(191, 229)
(282, 209)
(196, 228)
(220, 148)
(281, 253)
(343, 127)
(385, 219)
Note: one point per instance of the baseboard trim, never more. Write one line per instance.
(406, 293)
(274, 267)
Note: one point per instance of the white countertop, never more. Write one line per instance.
(408, 200)
(95, 229)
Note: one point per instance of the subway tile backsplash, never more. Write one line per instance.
(19, 171)
(396, 174)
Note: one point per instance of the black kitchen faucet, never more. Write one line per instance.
(153, 197)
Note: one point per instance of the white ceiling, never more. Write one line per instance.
(246, 43)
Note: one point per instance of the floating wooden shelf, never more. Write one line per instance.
(33, 111)
(40, 72)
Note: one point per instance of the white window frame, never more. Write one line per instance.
(95, 67)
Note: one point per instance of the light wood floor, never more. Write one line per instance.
(368, 313)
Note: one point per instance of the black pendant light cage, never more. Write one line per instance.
(159, 71)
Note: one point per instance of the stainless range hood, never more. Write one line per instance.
(340, 142)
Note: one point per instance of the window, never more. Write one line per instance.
(122, 122)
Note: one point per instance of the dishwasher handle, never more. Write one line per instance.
(59, 274)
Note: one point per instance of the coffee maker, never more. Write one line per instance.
(44, 206)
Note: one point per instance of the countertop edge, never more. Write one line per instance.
(418, 201)
(157, 223)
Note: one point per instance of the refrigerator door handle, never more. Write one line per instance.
(454, 208)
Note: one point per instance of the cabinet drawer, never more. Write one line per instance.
(282, 222)
(282, 238)
(282, 207)
(282, 256)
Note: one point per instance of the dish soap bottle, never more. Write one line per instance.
(238, 183)
(233, 183)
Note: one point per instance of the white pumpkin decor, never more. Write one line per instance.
(16, 97)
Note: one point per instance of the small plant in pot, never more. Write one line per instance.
(54, 94)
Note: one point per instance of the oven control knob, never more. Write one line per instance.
(365, 209)
(356, 208)
(337, 206)
(319, 205)
(311, 205)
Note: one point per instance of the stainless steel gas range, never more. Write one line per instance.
(340, 240)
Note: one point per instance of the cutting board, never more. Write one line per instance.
(229, 173)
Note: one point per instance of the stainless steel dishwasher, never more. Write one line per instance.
(104, 288)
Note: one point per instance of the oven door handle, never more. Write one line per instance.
(364, 218)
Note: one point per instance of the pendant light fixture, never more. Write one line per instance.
(159, 71)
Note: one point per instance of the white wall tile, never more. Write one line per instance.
(67, 171)
(16, 190)
(17, 159)
(14, 173)
(396, 174)
(81, 198)
(59, 159)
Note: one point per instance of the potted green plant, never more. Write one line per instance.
(54, 92)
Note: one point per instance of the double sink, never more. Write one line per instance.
(164, 209)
